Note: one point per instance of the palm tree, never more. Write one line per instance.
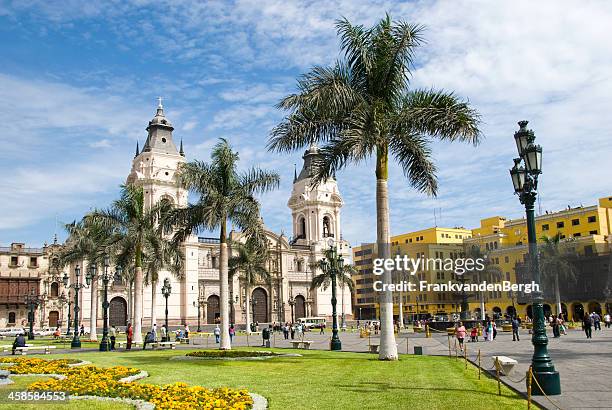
(362, 107)
(324, 280)
(86, 241)
(132, 226)
(225, 195)
(250, 263)
(556, 264)
(160, 253)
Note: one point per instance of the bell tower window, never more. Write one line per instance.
(301, 228)
(327, 233)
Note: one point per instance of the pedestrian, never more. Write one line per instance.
(113, 337)
(164, 333)
(490, 330)
(232, 332)
(154, 331)
(186, 331)
(555, 327)
(20, 341)
(322, 329)
(82, 332)
(56, 333)
(515, 329)
(596, 321)
(149, 338)
(130, 335)
(607, 320)
(587, 324)
(474, 334)
(460, 334)
(561, 324)
(217, 333)
(292, 331)
(286, 330)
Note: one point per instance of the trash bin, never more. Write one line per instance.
(418, 350)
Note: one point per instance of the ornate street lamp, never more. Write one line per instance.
(291, 302)
(253, 304)
(525, 182)
(76, 342)
(107, 275)
(200, 302)
(69, 321)
(166, 291)
(62, 300)
(332, 268)
(32, 301)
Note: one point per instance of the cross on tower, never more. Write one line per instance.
(159, 102)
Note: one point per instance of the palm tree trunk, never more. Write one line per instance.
(388, 348)
(154, 302)
(224, 289)
(558, 294)
(93, 312)
(138, 280)
(247, 307)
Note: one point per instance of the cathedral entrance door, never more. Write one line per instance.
(260, 296)
(117, 312)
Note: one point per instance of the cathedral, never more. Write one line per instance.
(194, 298)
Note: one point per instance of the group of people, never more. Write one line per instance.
(593, 321)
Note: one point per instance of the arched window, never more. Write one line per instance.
(302, 228)
(327, 232)
(11, 318)
(54, 290)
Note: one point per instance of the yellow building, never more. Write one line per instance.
(505, 243)
(427, 243)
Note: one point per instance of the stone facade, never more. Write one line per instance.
(315, 220)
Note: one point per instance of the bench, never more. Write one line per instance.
(171, 345)
(24, 350)
(304, 343)
(505, 364)
(123, 343)
(6, 348)
(184, 340)
(373, 348)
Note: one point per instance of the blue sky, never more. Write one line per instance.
(78, 82)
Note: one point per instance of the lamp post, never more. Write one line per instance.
(62, 302)
(69, 321)
(32, 301)
(166, 290)
(333, 267)
(107, 275)
(76, 342)
(253, 304)
(200, 304)
(525, 181)
(291, 302)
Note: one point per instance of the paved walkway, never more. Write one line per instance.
(585, 365)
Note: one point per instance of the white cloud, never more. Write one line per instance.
(105, 143)
(548, 62)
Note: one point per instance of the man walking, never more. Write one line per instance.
(515, 329)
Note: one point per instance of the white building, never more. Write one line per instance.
(315, 219)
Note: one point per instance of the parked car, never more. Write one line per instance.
(12, 331)
(46, 331)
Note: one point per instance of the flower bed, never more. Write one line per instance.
(230, 353)
(105, 382)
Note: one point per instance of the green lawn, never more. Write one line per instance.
(327, 380)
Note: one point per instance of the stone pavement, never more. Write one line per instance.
(585, 365)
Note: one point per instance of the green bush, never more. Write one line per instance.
(229, 353)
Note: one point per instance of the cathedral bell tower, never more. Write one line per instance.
(315, 210)
(155, 170)
(155, 167)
